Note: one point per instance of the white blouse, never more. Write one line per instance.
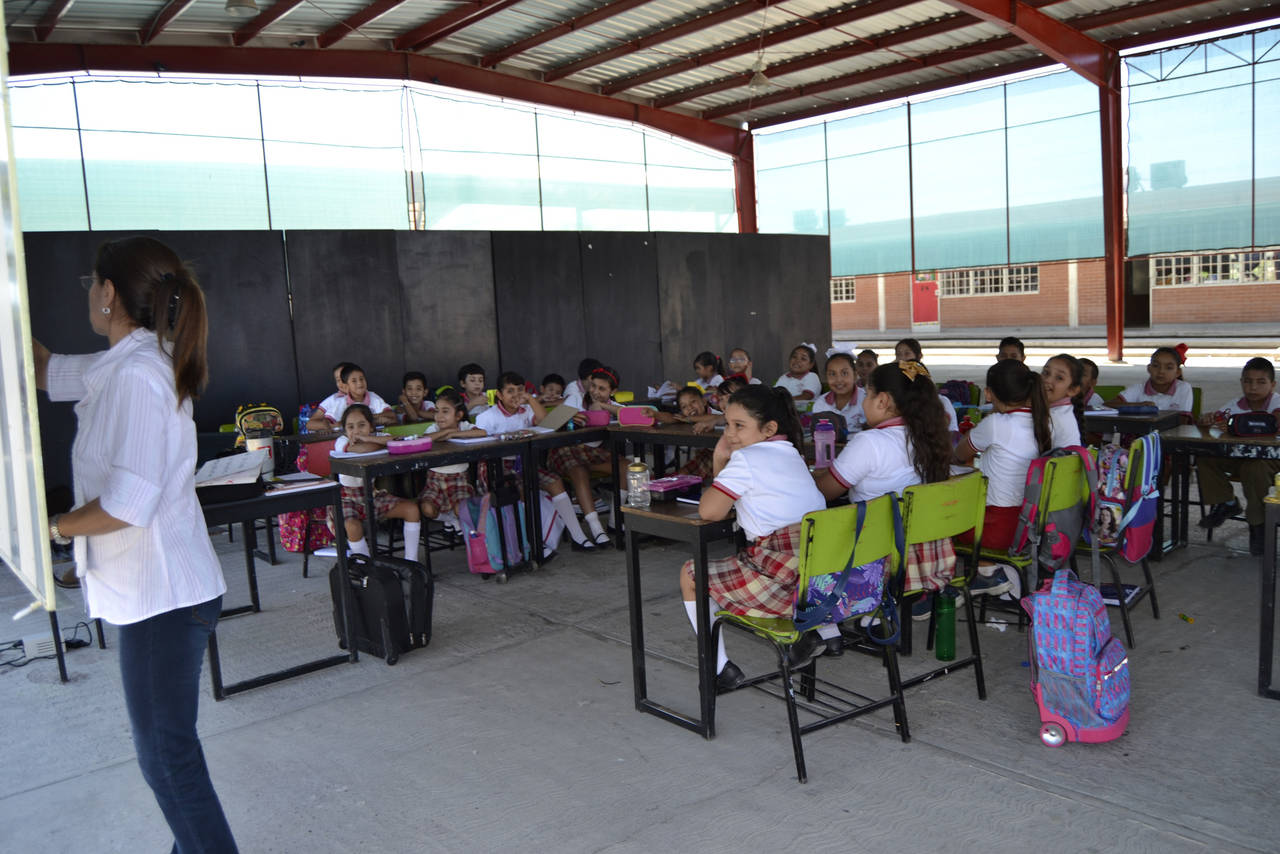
(135, 451)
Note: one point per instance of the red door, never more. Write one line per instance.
(924, 297)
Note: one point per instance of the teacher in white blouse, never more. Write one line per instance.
(141, 545)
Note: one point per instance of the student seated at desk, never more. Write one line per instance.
(576, 392)
(740, 363)
(578, 462)
(471, 384)
(867, 362)
(414, 406)
(516, 410)
(1092, 400)
(1258, 384)
(695, 410)
(551, 392)
(759, 473)
(1063, 376)
(331, 409)
(801, 379)
(1011, 348)
(448, 486)
(708, 371)
(1164, 388)
(845, 397)
(357, 438)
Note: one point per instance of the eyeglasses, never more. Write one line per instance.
(737, 360)
(86, 282)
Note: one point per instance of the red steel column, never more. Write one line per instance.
(744, 183)
(1113, 211)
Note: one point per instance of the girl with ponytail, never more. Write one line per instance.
(760, 473)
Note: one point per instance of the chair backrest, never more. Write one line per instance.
(1196, 394)
(1107, 392)
(935, 511)
(317, 457)
(828, 536)
(1065, 485)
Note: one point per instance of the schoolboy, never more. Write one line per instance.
(414, 406)
(552, 390)
(1092, 400)
(471, 385)
(1011, 348)
(1258, 384)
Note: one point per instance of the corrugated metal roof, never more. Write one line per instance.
(708, 62)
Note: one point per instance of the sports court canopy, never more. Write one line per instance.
(709, 71)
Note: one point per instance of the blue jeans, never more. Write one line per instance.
(160, 666)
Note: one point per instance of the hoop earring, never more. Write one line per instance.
(106, 309)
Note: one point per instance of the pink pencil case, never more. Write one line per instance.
(674, 483)
(635, 416)
(416, 445)
(596, 417)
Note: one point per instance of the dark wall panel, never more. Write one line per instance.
(537, 278)
(620, 301)
(692, 288)
(346, 307)
(449, 315)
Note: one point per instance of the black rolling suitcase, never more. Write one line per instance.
(392, 599)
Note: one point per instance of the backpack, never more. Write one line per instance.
(1125, 511)
(305, 530)
(493, 528)
(305, 411)
(1079, 671)
(1051, 549)
(257, 417)
(957, 391)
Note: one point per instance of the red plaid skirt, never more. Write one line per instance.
(760, 580)
(699, 464)
(930, 566)
(446, 491)
(546, 479)
(353, 502)
(571, 456)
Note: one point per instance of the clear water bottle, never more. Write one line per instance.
(824, 444)
(637, 484)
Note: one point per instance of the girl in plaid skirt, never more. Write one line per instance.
(578, 462)
(759, 474)
(357, 438)
(447, 486)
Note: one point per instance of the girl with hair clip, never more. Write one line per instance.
(740, 363)
(845, 396)
(142, 547)
(578, 462)
(867, 362)
(708, 370)
(759, 473)
(1164, 388)
(1018, 431)
(358, 438)
(906, 442)
(1063, 378)
(447, 486)
(801, 379)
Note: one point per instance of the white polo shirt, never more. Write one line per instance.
(1240, 405)
(1179, 396)
(1007, 442)
(854, 418)
(1063, 424)
(336, 404)
(876, 461)
(809, 382)
(770, 485)
(496, 420)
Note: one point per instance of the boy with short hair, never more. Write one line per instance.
(1092, 400)
(414, 407)
(1258, 383)
(552, 391)
(1011, 349)
(471, 385)
(866, 362)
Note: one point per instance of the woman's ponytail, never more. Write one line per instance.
(179, 307)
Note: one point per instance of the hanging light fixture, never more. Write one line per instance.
(758, 80)
(241, 8)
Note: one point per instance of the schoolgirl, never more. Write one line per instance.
(708, 370)
(867, 362)
(578, 462)
(762, 476)
(331, 409)
(740, 363)
(1063, 378)
(1164, 386)
(357, 438)
(1092, 400)
(575, 394)
(801, 379)
(909, 350)
(448, 486)
(1015, 433)
(844, 397)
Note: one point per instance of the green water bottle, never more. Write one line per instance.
(944, 641)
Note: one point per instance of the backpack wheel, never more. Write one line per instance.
(500, 577)
(1053, 735)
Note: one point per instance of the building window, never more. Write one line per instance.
(1215, 268)
(843, 289)
(988, 281)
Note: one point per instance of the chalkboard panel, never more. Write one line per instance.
(620, 302)
(346, 307)
(537, 278)
(693, 287)
(449, 315)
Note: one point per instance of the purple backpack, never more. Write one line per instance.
(487, 529)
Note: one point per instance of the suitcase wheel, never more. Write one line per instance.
(500, 577)
(1053, 735)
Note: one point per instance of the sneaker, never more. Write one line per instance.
(990, 585)
(922, 607)
(1219, 513)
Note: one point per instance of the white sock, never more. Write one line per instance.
(564, 507)
(359, 547)
(827, 631)
(691, 609)
(412, 537)
(593, 522)
(449, 520)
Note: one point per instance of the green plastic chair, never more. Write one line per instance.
(827, 539)
(937, 511)
(1196, 394)
(401, 431)
(1107, 392)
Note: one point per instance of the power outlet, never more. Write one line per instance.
(36, 646)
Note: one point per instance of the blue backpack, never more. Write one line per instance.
(1125, 515)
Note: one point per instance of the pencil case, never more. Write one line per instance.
(416, 445)
(596, 417)
(1137, 409)
(635, 416)
(675, 486)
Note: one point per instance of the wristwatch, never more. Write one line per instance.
(55, 534)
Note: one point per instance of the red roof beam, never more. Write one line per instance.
(595, 16)
(349, 25)
(49, 20)
(443, 26)
(250, 31)
(823, 57)
(167, 13)
(1088, 57)
(729, 13)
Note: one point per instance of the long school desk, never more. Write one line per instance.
(1130, 425)
(659, 436)
(1266, 644)
(1189, 441)
(540, 443)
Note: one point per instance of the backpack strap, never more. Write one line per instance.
(816, 614)
(888, 606)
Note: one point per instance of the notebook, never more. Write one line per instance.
(558, 417)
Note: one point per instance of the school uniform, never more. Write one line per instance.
(352, 489)
(854, 418)
(1255, 476)
(799, 385)
(574, 394)
(772, 490)
(1095, 401)
(708, 385)
(953, 422)
(495, 421)
(1007, 441)
(1179, 396)
(336, 404)
(1063, 424)
(447, 486)
(584, 454)
(423, 408)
